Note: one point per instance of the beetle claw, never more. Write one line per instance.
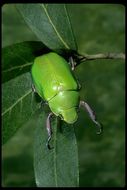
(48, 145)
(99, 128)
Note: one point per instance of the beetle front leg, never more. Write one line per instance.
(92, 115)
(72, 63)
(49, 130)
(33, 88)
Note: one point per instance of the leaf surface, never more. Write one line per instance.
(57, 167)
(18, 58)
(51, 24)
(18, 104)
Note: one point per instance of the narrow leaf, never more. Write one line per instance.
(57, 167)
(51, 24)
(18, 104)
(18, 58)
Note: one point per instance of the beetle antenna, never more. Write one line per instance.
(49, 130)
(92, 116)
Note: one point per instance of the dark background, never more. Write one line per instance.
(98, 28)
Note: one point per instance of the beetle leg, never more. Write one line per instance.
(72, 63)
(79, 85)
(92, 115)
(33, 88)
(49, 130)
(42, 104)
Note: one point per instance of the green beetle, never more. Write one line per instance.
(55, 82)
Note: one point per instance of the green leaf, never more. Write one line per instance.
(51, 24)
(18, 104)
(18, 58)
(57, 167)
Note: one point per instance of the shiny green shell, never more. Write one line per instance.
(55, 83)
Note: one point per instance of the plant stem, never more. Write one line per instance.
(103, 56)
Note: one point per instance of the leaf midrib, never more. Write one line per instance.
(17, 67)
(55, 29)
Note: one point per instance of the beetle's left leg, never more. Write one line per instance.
(72, 63)
(33, 88)
(49, 130)
(42, 104)
(92, 115)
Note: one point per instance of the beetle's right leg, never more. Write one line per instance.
(92, 115)
(49, 130)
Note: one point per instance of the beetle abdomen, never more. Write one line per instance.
(52, 74)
